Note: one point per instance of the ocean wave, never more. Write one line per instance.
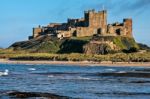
(110, 70)
(31, 69)
(58, 73)
(125, 74)
(28, 64)
(143, 70)
(122, 72)
(87, 78)
(51, 76)
(5, 73)
(71, 77)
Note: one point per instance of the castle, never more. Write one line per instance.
(93, 23)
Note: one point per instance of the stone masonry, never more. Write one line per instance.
(93, 23)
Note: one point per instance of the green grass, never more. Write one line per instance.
(118, 42)
(88, 38)
(125, 43)
(50, 47)
(118, 57)
(48, 44)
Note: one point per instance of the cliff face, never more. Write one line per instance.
(104, 45)
(93, 48)
(89, 45)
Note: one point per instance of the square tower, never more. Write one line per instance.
(96, 20)
(128, 27)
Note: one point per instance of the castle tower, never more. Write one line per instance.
(96, 20)
(103, 21)
(128, 27)
(37, 31)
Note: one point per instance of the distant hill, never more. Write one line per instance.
(144, 47)
(101, 45)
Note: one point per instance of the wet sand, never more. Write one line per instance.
(80, 63)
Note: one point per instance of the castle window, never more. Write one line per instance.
(74, 33)
(118, 31)
(99, 31)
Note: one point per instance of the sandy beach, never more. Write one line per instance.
(81, 63)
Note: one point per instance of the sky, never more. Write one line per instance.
(18, 17)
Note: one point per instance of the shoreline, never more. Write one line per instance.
(80, 63)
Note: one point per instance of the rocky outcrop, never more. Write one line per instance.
(94, 48)
(38, 95)
(100, 46)
(92, 45)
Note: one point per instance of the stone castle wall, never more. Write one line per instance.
(92, 23)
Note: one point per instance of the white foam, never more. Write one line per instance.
(50, 76)
(83, 78)
(5, 73)
(122, 72)
(28, 64)
(32, 69)
(110, 69)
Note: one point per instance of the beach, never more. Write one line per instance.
(81, 63)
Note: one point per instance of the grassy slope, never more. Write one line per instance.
(73, 45)
(125, 43)
(118, 57)
(52, 45)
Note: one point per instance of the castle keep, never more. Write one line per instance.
(93, 23)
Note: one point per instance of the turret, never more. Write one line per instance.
(128, 27)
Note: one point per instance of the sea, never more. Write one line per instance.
(77, 82)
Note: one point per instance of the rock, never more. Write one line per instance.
(126, 74)
(17, 94)
(93, 48)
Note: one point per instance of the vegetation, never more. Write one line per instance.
(125, 43)
(118, 57)
(48, 44)
(72, 46)
(130, 50)
(47, 48)
(88, 38)
(50, 47)
(144, 47)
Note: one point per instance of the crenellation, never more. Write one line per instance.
(93, 23)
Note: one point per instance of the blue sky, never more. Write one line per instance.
(18, 17)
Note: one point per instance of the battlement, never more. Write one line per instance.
(94, 22)
(90, 11)
(93, 11)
